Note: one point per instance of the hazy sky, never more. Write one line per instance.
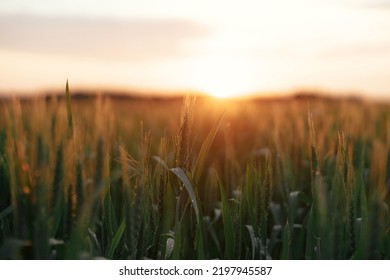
(220, 47)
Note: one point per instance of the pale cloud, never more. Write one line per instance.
(102, 38)
(379, 5)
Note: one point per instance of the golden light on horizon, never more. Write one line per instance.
(224, 76)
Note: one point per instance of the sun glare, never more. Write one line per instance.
(223, 88)
(219, 95)
(221, 77)
(219, 89)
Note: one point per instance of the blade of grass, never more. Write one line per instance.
(5, 212)
(227, 224)
(204, 151)
(286, 242)
(69, 109)
(115, 241)
(188, 186)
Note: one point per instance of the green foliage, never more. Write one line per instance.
(103, 177)
(227, 224)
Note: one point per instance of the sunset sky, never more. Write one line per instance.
(223, 48)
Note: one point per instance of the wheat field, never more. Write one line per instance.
(194, 178)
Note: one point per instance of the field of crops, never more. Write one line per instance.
(132, 178)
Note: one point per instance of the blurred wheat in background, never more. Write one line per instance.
(146, 178)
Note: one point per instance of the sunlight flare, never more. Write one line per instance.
(221, 76)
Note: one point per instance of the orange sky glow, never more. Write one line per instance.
(222, 48)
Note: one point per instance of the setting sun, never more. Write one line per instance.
(219, 95)
(224, 76)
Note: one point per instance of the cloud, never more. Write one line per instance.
(377, 5)
(347, 51)
(103, 38)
